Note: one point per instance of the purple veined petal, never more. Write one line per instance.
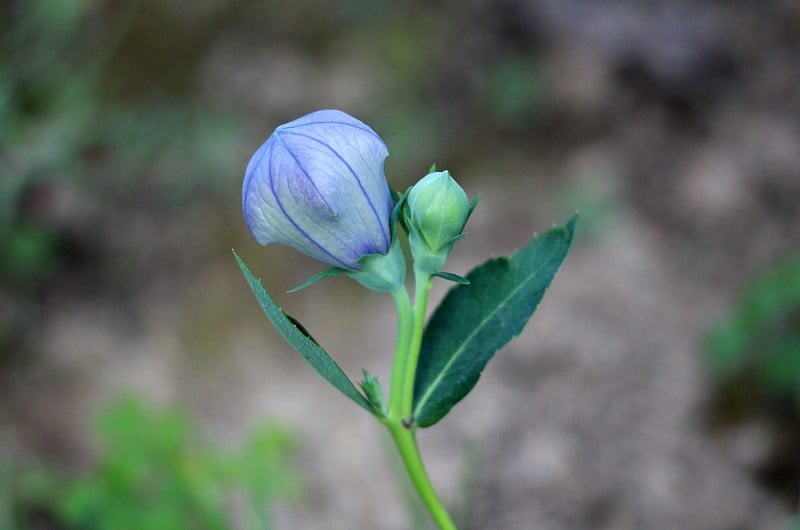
(266, 211)
(358, 147)
(318, 185)
(356, 185)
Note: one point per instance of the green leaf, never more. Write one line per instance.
(474, 321)
(451, 277)
(299, 339)
(327, 273)
(472, 206)
(398, 212)
(372, 389)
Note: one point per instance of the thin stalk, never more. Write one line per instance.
(399, 420)
(405, 325)
(409, 452)
(423, 283)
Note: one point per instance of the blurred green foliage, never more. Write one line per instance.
(152, 473)
(86, 132)
(514, 92)
(65, 123)
(755, 352)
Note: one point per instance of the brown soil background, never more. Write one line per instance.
(674, 127)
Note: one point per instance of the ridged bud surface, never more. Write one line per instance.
(318, 185)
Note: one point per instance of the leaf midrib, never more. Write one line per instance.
(437, 381)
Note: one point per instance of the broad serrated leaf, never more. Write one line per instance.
(301, 341)
(474, 321)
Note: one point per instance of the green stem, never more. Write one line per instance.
(399, 420)
(423, 283)
(409, 451)
(405, 329)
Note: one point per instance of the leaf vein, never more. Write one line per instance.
(460, 350)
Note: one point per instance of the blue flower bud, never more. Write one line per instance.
(317, 185)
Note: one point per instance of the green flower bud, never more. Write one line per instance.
(436, 210)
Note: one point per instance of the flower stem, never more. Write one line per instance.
(422, 290)
(405, 330)
(409, 452)
(400, 420)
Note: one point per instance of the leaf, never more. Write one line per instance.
(472, 206)
(299, 339)
(327, 273)
(449, 276)
(473, 322)
(398, 212)
(302, 328)
(372, 389)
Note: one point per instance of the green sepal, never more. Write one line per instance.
(379, 272)
(472, 323)
(382, 272)
(301, 341)
(449, 276)
(455, 238)
(433, 168)
(372, 389)
(327, 273)
(473, 203)
(397, 212)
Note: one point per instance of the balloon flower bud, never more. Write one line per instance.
(435, 213)
(317, 185)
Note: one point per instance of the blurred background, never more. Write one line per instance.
(658, 385)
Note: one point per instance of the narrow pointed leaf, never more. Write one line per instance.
(301, 328)
(327, 273)
(474, 321)
(372, 389)
(451, 277)
(472, 205)
(399, 199)
(299, 339)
